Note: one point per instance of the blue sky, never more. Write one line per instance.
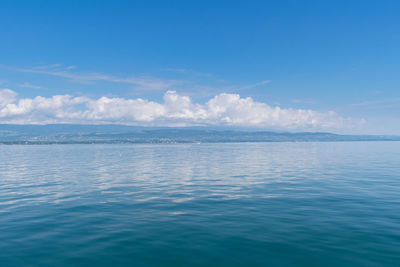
(284, 59)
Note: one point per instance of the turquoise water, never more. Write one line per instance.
(245, 204)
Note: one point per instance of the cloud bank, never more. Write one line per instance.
(176, 110)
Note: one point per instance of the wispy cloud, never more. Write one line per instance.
(254, 85)
(303, 101)
(29, 85)
(372, 106)
(143, 82)
(189, 72)
(376, 103)
(224, 85)
(51, 66)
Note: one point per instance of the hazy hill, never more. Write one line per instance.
(69, 133)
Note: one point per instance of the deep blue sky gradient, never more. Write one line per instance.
(322, 55)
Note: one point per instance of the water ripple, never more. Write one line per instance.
(200, 204)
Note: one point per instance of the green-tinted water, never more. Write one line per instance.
(304, 204)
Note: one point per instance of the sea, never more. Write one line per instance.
(205, 204)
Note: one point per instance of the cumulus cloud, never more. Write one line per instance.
(223, 109)
(6, 97)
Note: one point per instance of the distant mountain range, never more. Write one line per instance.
(115, 134)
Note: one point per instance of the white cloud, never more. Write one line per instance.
(6, 96)
(122, 110)
(222, 109)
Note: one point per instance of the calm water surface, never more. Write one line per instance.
(248, 204)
